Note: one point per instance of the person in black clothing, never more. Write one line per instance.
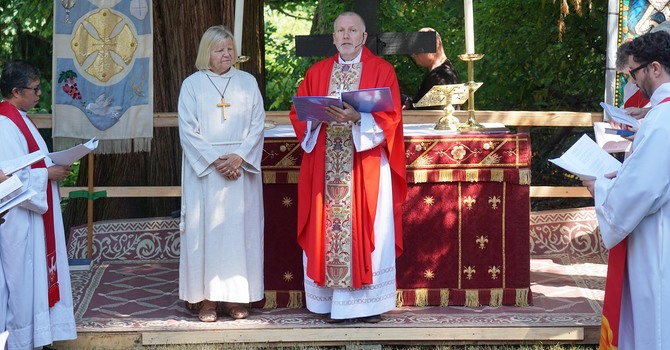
(440, 71)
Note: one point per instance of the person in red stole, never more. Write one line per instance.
(351, 185)
(633, 206)
(36, 303)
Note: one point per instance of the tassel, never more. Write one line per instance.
(420, 176)
(270, 299)
(269, 177)
(294, 299)
(421, 297)
(497, 175)
(472, 298)
(524, 176)
(444, 297)
(496, 297)
(521, 297)
(446, 176)
(472, 175)
(399, 300)
(292, 177)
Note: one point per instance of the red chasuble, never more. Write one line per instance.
(13, 114)
(376, 72)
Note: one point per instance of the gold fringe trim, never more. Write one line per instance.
(292, 177)
(472, 175)
(446, 175)
(421, 297)
(444, 297)
(270, 299)
(294, 299)
(521, 297)
(420, 176)
(497, 175)
(269, 177)
(472, 298)
(496, 297)
(399, 299)
(524, 176)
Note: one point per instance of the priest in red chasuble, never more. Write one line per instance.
(351, 185)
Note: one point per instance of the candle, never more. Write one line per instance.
(239, 17)
(469, 28)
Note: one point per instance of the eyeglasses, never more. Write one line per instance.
(36, 89)
(632, 71)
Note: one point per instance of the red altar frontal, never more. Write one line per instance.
(465, 220)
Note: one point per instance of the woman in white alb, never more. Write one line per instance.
(221, 118)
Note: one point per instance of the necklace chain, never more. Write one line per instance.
(217, 89)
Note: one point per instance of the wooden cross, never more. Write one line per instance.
(223, 106)
(378, 43)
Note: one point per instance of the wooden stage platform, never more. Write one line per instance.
(129, 298)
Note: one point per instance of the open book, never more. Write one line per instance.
(11, 166)
(587, 160)
(609, 142)
(16, 200)
(620, 115)
(313, 108)
(12, 193)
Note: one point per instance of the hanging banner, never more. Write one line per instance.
(628, 19)
(103, 74)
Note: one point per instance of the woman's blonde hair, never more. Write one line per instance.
(215, 34)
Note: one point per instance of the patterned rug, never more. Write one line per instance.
(133, 284)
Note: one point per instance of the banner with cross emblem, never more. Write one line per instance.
(103, 74)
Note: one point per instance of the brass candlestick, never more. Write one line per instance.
(241, 59)
(472, 86)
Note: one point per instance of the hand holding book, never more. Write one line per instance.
(313, 108)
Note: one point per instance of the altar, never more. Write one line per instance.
(465, 220)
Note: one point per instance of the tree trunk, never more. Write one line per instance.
(178, 26)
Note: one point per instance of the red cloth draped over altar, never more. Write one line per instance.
(465, 220)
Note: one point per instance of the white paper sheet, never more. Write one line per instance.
(620, 115)
(587, 160)
(71, 155)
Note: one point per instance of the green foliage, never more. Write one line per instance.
(26, 34)
(526, 67)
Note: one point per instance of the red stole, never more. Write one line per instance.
(13, 114)
(376, 72)
(636, 100)
(616, 267)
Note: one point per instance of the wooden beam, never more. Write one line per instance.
(559, 192)
(126, 192)
(335, 335)
(175, 191)
(509, 118)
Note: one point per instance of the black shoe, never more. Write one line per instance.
(371, 319)
(330, 320)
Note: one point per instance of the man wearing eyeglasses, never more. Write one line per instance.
(35, 292)
(634, 203)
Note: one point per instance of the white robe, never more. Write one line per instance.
(222, 221)
(636, 204)
(29, 320)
